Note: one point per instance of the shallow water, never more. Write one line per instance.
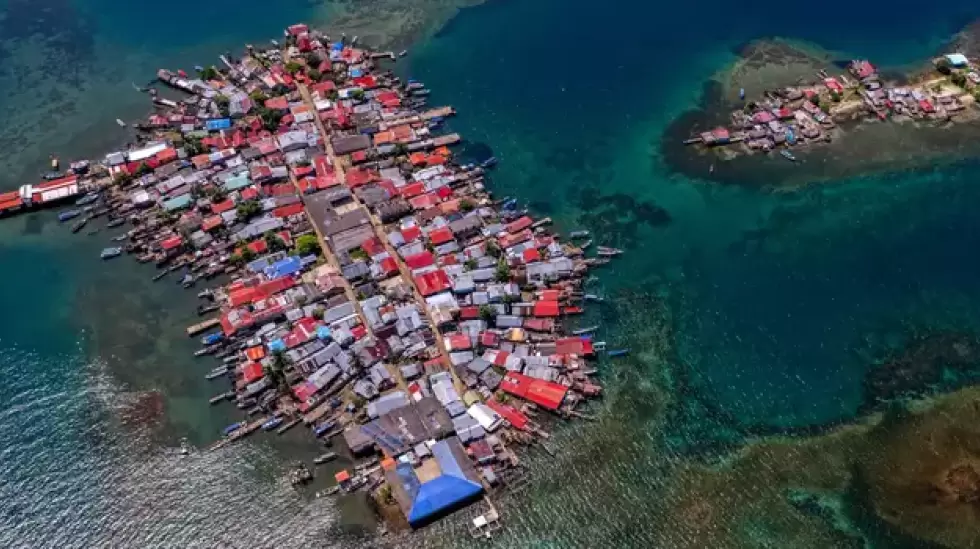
(748, 312)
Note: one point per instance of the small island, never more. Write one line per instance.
(787, 113)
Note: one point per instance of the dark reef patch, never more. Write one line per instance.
(617, 219)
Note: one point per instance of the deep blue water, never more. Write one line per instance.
(775, 298)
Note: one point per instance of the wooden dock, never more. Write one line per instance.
(203, 326)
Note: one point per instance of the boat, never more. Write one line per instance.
(232, 428)
(585, 244)
(211, 339)
(608, 252)
(93, 231)
(741, 94)
(217, 372)
(573, 310)
(206, 293)
(288, 426)
(403, 53)
(617, 353)
(115, 222)
(578, 234)
(332, 490)
(272, 423)
(323, 428)
(787, 155)
(489, 163)
(186, 279)
(79, 225)
(159, 275)
(300, 475)
(205, 309)
(110, 253)
(592, 297)
(87, 199)
(223, 396)
(51, 176)
(207, 350)
(324, 458)
(68, 214)
(120, 238)
(185, 448)
(583, 331)
(121, 123)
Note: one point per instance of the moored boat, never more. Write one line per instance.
(217, 372)
(272, 423)
(110, 253)
(608, 252)
(87, 199)
(232, 428)
(79, 225)
(325, 458)
(578, 234)
(115, 222)
(787, 155)
(68, 214)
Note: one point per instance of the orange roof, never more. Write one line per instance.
(342, 476)
(385, 137)
(387, 464)
(255, 353)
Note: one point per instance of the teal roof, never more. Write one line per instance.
(957, 59)
(178, 203)
(236, 182)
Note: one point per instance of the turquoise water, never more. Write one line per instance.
(749, 312)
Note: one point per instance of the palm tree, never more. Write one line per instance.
(275, 371)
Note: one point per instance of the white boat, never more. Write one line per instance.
(325, 458)
(110, 253)
(120, 122)
(578, 234)
(608, 252)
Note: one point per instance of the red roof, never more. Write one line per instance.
(389, 266)
(420, 260)
(509, 240)
(252, 372)
(359, 331)
(365, 82)
(458, 342)
(251, 294)
(258, 246)
(171, 243)
(543, 393)
(470, 312)
(424, 201)
(222, 207)
(277, 103)
(513, 416)
(411, 234)
(574, 346)
(325, 86)
(519, 224)
(546, 308)
(531, 255)
(763, 117)
(358, 176)
(212, 222)
(833, 84)
(489, 339)
(440, 235)
(250, 193)
(289, 210)
(412, 189)
(372, 246)
(925, 105)
(432, 282)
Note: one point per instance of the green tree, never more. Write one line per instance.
(293, 67)
(502, 274)
(493, 249)
(270, 118)
(275, 370)
(246, 254)
(209, 73)
(944, 66)
(248, 209)
(959, 79)
(274, 242)
(467, 205)
(122, 179)
(314, 75)
(488, 314)
(470, 264)
(258, 96)
(357, 95)
(193, 146)
(307, 244)
(312, 59)
(222, 102)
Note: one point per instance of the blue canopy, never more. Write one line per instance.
(337, 46)
(218, 124)
(439, 494)
(277, 345)
(285, 267)
(323, 332)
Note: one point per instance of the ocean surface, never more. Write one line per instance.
(753, 315)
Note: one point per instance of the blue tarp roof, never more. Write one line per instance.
(289, 266)
(337, 46)
(218, 124)
(277, 345)
(356, 72)
(323, 332)
(441, 493)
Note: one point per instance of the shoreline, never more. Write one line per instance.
(796, 101)
(374, 282)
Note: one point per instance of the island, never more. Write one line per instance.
(357, 279)
(787, 113)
